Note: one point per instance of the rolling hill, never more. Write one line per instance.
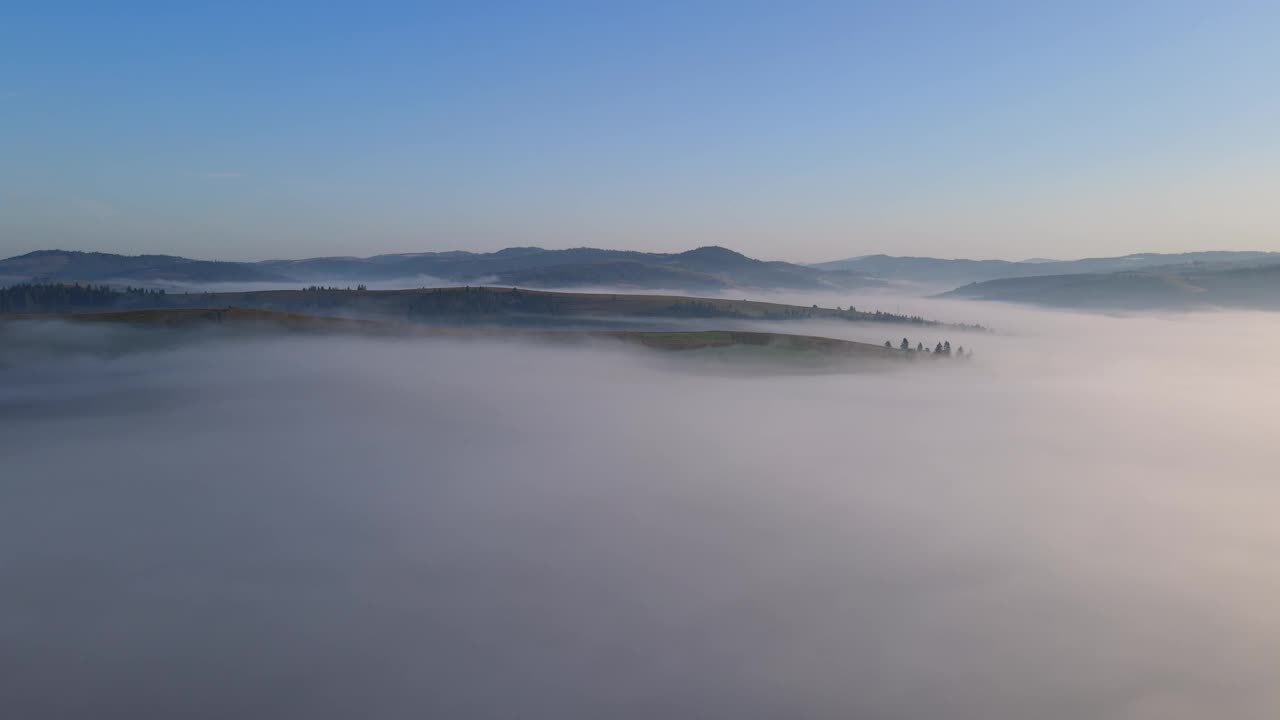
(700, 269)
(438, 306)
(762, 349)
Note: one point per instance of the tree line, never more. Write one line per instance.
(60, 297)
(943, 348)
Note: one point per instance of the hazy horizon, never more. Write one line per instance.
(376, 253)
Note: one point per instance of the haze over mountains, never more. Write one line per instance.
(1147, 281)
(936, 271)
(1131, 282)
(1160, 288)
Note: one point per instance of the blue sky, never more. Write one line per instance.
(804, 131)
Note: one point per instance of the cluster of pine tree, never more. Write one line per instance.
(59, 297)
(941, 349)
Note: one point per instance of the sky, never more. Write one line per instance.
(803, 131)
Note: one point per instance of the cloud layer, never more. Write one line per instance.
(1077, 524)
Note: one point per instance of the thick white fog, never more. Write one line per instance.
(1078, 523)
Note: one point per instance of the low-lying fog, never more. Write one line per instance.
(1079, 523)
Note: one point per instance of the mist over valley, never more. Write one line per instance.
(1073, 522)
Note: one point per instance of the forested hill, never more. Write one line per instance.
(461, 305)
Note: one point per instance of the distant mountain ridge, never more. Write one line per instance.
(86, 266)
(944, 272)
(703, 268)
(1165, 287)
(1145, 280)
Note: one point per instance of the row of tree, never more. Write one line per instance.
(880, 316)
(942, 348)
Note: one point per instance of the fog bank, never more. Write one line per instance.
(1078, 524)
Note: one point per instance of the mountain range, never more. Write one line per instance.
(1141, 281)
(706, 268)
